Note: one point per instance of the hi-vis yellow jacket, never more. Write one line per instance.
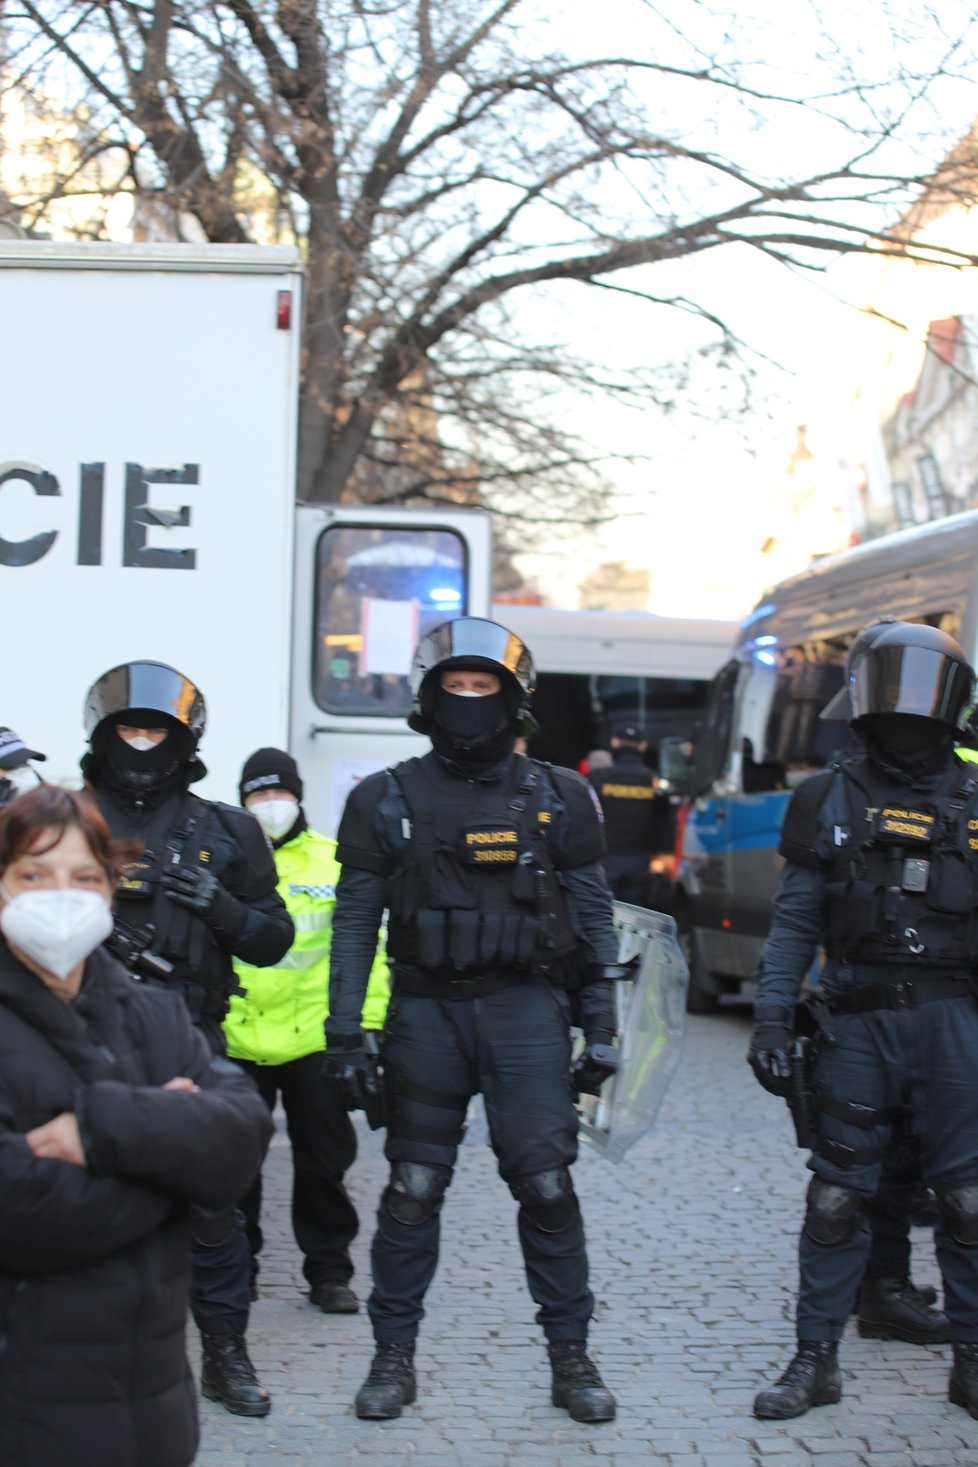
(280, 1017)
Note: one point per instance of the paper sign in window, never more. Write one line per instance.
(390, 635)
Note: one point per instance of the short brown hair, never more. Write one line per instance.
(51, 807)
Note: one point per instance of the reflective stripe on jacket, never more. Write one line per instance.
(281, 1015)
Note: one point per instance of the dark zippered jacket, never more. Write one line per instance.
(95, 1261)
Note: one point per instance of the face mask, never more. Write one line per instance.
(140, 764)
(17, 782)
(141, 743)
(57, 930)
(276, 817)
(905, 733)
(469, 718)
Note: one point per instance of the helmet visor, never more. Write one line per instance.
(917, 680)
(146, 685)
(839, 707)
(476, 640)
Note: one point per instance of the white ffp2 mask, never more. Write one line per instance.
(57, 930)
(276, 817)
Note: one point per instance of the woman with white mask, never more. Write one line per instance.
(114, 1118)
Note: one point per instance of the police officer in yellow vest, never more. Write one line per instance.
(275, 1032)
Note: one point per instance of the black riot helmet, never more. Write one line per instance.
(839, 708)
(473, 643)
(912, 669)
(146, 688)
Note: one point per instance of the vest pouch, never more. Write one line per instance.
(526, 941)
(463, 931)
(951, 885)
(509, 938)
(855, 914)
(431, 939)
(490, 937)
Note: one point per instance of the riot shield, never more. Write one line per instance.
(652, 1025)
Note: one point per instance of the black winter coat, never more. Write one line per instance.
(95, 1261)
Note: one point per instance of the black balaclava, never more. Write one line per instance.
(143, 772)
(476, 734)
(906, 744)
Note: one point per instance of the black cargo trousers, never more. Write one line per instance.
(884, 1062)
(512, 1045)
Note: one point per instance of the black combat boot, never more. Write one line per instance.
(962, 1387)
(892, 1309)
(812, 1379)
(577, 1384)
(228, 1376)
(390, 1384)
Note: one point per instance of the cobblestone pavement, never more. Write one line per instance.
(692, 1243)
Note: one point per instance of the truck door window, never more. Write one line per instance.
(379, 589)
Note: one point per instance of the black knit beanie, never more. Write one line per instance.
(270, 769)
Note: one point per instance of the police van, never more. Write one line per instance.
(762, 735)
(600, 671)
(147, 511)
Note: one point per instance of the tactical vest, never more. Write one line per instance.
(903, 882)
(628, 804)
(148, 926)
(478, 890)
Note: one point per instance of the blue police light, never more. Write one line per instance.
(768, 640)
(768, 658)
(445, 595)
(758, 615)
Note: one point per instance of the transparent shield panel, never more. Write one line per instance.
(652, 1027)
(379, 590)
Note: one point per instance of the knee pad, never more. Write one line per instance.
(959, 1212)
(415, 1192)
(548, 1199)
(833, 1213)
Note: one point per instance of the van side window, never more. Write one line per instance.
(797, 741)
(712, 753)
(378, 591)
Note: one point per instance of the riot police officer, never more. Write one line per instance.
(489, 865)
(17, 772)
(882, 870)
(202, 892)
(638, 821)
(890, 1305)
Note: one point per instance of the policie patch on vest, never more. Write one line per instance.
(628, 791)
(490, 844)
(135, 879)
(895, 823)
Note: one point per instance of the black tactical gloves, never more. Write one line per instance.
(202, 894)
(593, 1066)
(768, 1057)
(352, 1072)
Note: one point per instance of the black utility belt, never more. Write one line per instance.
(420, 985)
(902, 993)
